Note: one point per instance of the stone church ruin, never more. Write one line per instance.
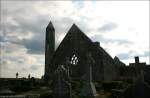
(74, 47)
(80, 68)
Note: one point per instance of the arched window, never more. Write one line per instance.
(74, 60)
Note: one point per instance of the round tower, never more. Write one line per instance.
(49, 48)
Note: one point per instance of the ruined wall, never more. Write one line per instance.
(78, 44)
(110, 69)
(75, 42)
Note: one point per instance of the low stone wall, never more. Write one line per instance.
(20, 96)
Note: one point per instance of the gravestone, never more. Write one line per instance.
(61, 83)
(88, 90)
(137, 90)
(5, 89)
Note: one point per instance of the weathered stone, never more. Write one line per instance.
(138, 90)
(89, 89)
(49, 48)
(75, 45)
(61, 87)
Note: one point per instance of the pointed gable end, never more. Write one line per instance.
(75, 32)
(74, 29)
(75, 40)
(74, 35)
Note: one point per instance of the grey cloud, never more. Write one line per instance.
(34, 46)
(28, 20)
(1, 38)
(106, 40)
(78, 4)
(36, 25)
(34, 67)
(119, 41)
(124, 56)
(147, 53)
(107, 27)
(62, 25)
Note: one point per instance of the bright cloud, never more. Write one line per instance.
(122, 27)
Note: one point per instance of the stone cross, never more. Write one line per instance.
(61, 84)
(89, 89)
(90, 63)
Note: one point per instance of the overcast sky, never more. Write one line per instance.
(121, 27)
